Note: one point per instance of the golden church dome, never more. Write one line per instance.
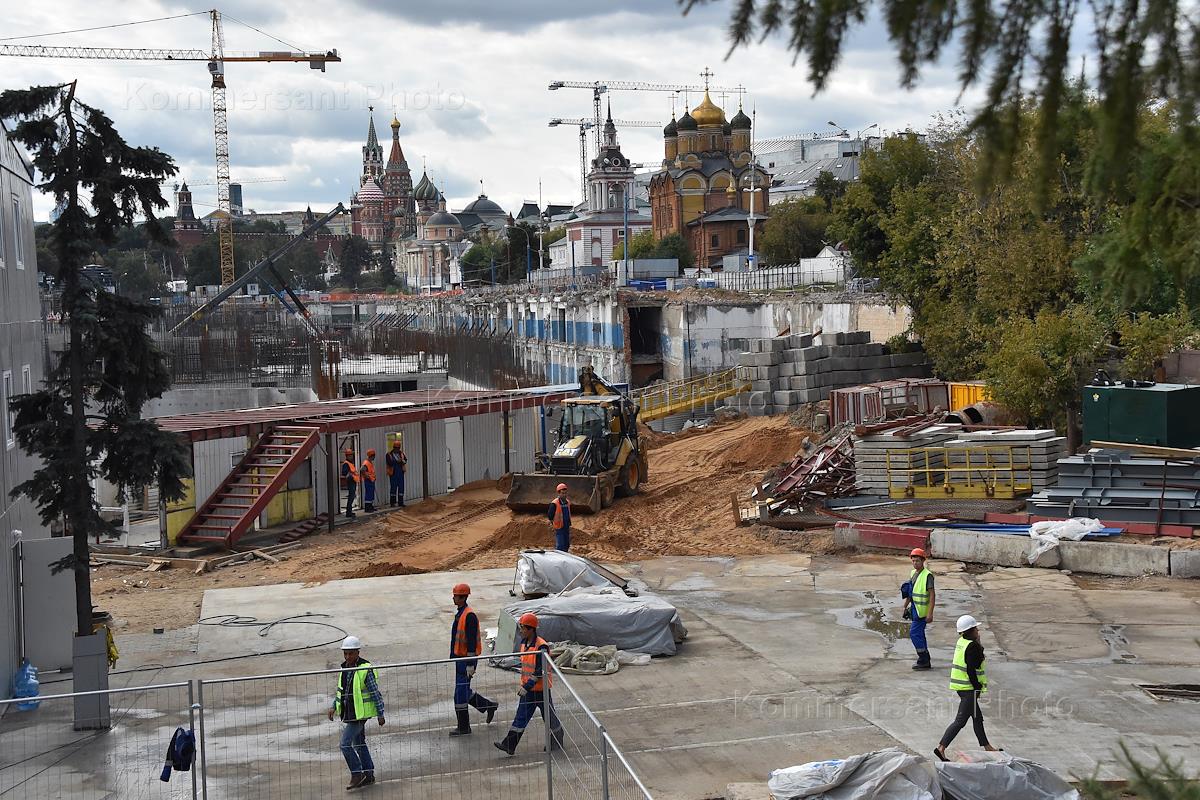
(708, 113)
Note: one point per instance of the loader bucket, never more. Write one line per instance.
(533, 492)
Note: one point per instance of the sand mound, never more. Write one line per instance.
(522, 532)
(383, 570)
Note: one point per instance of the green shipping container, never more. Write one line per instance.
(1166, 414)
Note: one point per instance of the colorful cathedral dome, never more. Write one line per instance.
(425, 190)
(708, 114)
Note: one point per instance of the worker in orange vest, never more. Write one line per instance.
(396, 463)
(349, 481)
(559, 514)
(534, 690)
(465, 644)
(368, 476)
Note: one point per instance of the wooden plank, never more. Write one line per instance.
(265, 556)
(1150, 450)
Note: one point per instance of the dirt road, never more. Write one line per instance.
(684, 509)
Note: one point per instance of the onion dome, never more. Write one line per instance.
(399, 211)
(740, 121)
(708, 113)
(727, 129)
(686, 123)
(370, 191)
(672, 129)
(425, 190)
(395, 123)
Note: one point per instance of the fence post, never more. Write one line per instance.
(603, 763)
(202, 742)
(547, 671)
(192, 708)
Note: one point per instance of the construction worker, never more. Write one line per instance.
(396, 463)
(356, 701)
(534, 688)
(559, 515)
(368, 479)
(919, 600)
(465, 642)
(349, 481)
(968, 677)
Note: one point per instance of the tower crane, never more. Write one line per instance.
(600, 87)
(584, 126)
(216, 58)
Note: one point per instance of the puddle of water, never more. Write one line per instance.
(872, 617)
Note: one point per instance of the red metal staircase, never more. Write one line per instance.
(250, 486)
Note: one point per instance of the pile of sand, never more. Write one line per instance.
(382, 570)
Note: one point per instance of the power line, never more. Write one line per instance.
(264, 33)
(105, 27)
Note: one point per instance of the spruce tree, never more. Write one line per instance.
(85, 421)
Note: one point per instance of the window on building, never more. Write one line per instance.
(3, 265)
(716, 240)
(18, 239)
(6, 393)
(26, 380)
(741, 236)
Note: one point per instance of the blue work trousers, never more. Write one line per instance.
(396, 487)
(562, 539)
(354, 747)
(350, 490)
(916, 632)
(464, 695)
(536, 701)
(368, 492)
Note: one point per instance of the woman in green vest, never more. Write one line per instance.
(968, 677)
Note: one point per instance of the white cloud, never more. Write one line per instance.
(468, 81)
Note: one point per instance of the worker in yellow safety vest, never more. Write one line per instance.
(919, 600)
(968, 677)
(355, 703)
(534, 691)
(465, 644)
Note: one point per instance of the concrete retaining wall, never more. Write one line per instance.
(987, 548)
(1185, 563)
(1098, 558)
(1104, 558)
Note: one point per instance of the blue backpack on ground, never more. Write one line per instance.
(25, 684)
(180, 753)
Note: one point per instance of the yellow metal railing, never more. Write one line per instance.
(665, 399)
(1000, 471)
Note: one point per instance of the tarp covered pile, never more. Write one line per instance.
(605, 616)
(542, 572)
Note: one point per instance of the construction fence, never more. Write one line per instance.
(269, 737)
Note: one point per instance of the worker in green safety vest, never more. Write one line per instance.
(919, 601)
(356, 701)
(968, 677)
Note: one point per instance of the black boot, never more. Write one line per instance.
(922, 661)
(464, 723)
(509, 743)
(556, 740)
(490, 710)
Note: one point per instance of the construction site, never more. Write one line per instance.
(627, 528)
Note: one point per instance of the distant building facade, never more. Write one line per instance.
(703, 190)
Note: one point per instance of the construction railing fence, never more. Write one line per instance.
(269, 737)
(664, 399)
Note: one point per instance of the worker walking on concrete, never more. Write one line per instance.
(968, 677)
(396, 463)
(534, 688)
(349, 481)
(356, 701)
(368, 478)
(465, 642)
(919, 600)
(559, 515)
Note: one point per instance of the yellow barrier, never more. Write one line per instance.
(995, 471)
(966, 394)
(665, 399)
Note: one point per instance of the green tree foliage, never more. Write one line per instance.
(1039, 365)
(355, 257)
(1147, 55)
(644, 245)
(476, 263)
(796, 229)
(554, 234)
(1163, 780)
(86, 421)
(641, 245)
(47, 262)
(387, 270)
(828, 188)
(1146, 338)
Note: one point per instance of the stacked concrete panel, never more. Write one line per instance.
(787, 372)
(874, 454)
(1035, 454)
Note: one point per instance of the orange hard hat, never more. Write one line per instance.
(917, 551)
(461, 588)
(371, 452)
(528, 619)
(562, 487)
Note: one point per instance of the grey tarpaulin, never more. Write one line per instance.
(541, 572)
(889, 774)
(1005, 777)
(600, 616)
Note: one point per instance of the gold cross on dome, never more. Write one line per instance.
(706, 75)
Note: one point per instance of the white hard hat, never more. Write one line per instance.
(351, 643)
(965, 623)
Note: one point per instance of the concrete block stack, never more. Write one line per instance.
(873, 454)
(786, 372)
(1038, 450)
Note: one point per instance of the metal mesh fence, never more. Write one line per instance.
(43, 756)
(270, 737)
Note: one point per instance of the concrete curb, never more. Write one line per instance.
(1128, 560)
(987, 548)
(1185, 563)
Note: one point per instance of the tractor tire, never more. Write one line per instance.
(631, 479)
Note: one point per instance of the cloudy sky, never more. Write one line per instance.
(467, 78)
